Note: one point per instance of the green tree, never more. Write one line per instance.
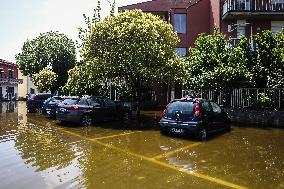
(275, 78)
(52, 49)
(45, 80)
(264, 59)
(83, 79)
(134, 47)
(214, 64)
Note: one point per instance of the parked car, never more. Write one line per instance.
(89, 109)
(192, 116)
(49, 100)
(36, 101)
(52, 105)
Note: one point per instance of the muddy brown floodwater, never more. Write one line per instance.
(36, 152)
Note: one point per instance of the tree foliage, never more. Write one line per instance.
(264, 58)
(83, 79)
(133, 48)
(52, 49)
(214, 64)
(267, 64)
(45, 80)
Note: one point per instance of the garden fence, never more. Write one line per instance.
(243, 97)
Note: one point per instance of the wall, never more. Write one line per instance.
(270, 118)
(198, 22)
(6, 67)
(214, 14)
(198, 15)
(26, 86)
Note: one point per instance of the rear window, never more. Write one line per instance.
(69, 101)
(182, 107)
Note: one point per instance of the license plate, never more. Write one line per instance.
(175, 130)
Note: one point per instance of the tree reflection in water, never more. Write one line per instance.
(43, 147)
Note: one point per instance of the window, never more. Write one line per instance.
(164, 17)
(180, 23)
(183, 107)
(69, 101)
(11, 73)
(207, 107)
(109, 102)
(181, 52)
(96, 101)
(83, 101)
(216, 108)
(1, 73)
(32, 91)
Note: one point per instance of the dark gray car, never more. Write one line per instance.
(87, 110)
(192, 116)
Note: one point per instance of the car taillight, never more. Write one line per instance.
(197, 110)
(74, 107)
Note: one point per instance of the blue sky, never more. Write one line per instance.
(25, 19)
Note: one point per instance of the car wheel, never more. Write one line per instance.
(202, 135)
(86, 120)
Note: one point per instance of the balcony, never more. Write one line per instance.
(253, 9)
(11, 81)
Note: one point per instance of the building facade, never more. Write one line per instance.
(28, 87)
(249, 17)
(188, 17)
(233, 17)
(9, 80)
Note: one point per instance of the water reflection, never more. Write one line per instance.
(36, 152)
(8, 107)
(42, 147)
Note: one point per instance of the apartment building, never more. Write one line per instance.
(249, 17)
(190, 18)
(8, 80)
(233, 17)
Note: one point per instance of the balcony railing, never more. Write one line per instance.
(266, 6)
(11, 81)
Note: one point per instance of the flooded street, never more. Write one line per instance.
(36, 152)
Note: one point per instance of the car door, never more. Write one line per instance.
(208, 116)
(217, 116)
(98, 108)
(110, 109)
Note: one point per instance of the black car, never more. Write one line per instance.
(87, 110)
(36, 101)
(53, 103)
(192, 116)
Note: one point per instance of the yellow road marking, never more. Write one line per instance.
(112, 136)
(202, 176)
(177, 150)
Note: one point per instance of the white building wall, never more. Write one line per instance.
(27, 85)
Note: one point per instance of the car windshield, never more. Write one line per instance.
(180, 106)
